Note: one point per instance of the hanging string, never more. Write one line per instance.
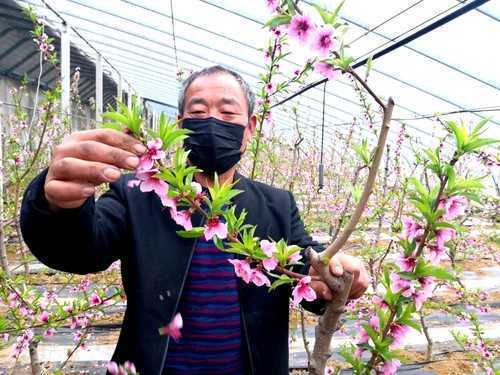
(321, 168)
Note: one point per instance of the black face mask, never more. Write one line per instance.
(214, 144)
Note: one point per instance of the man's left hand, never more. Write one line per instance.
(338, 264)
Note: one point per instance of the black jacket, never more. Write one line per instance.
(132, 226)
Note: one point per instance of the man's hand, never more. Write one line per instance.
(338, 264)
(87, 159)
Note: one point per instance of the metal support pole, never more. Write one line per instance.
(98, 89)
(129, 97)
(65, 71)
(119, 93)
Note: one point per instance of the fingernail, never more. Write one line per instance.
(132, 161)
(88, 191)
(338, 269)
(111, 173)
(139, 149)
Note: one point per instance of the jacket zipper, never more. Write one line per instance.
(162, 367)
(252, 371)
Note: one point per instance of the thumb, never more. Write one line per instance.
(336, 267)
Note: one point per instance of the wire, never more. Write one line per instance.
(395, 46)
(173, 33)
(384, 22)
(432, 58)
(63, 20)
(438, 114)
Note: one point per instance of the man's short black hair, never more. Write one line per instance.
(217, 69)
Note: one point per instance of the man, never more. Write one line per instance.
(229, 327)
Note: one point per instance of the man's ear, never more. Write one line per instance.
(249, 132)
(179, 120)
(252, 124)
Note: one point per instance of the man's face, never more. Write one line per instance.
(220, 96)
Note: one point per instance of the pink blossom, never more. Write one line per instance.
(272, 5)
(411, 229)
(435, 253)
(391, 367)
(215, 227)
(398, 333)
(398, 284)
(173, 329)
(95, 299)
(166, 201)
(44, 317)
(303, 290)
(13, 299)
(259, 279)
(154, 152)
(380, 302)
(358, 353)
(374, 322)
(22, 343)
(182, 218)
(242, 269)
(112, 368)
(443, 235)
(422, 295)
(270, 263)
(160, 187)
(295, 257)
(49, 332)
(453, 206)
(269, 88)
(300, 28)
(326, 70)
(130, 367)
(77, 336)
(267, 247)
(147, 182)
(362, 337)
(323, 40)
(406, 264)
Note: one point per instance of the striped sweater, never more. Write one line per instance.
(211, 335)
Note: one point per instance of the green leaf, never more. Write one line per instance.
(478, 143)
(369, 66)
(336, 12)
(437, 272)
(411, 323)
(322, 12)
(278, 20)
(193, 233)
(113, 125)
(282, 280)
(219, 244)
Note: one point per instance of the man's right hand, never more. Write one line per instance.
(86, 159)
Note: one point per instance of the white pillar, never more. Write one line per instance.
(65, 71)
(119, 90)
(98, 89)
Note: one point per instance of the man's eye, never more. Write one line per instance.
(197, 112)
(228, 113)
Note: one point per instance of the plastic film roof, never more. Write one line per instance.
(452, 68)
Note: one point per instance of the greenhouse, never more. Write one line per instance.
(249, 187)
